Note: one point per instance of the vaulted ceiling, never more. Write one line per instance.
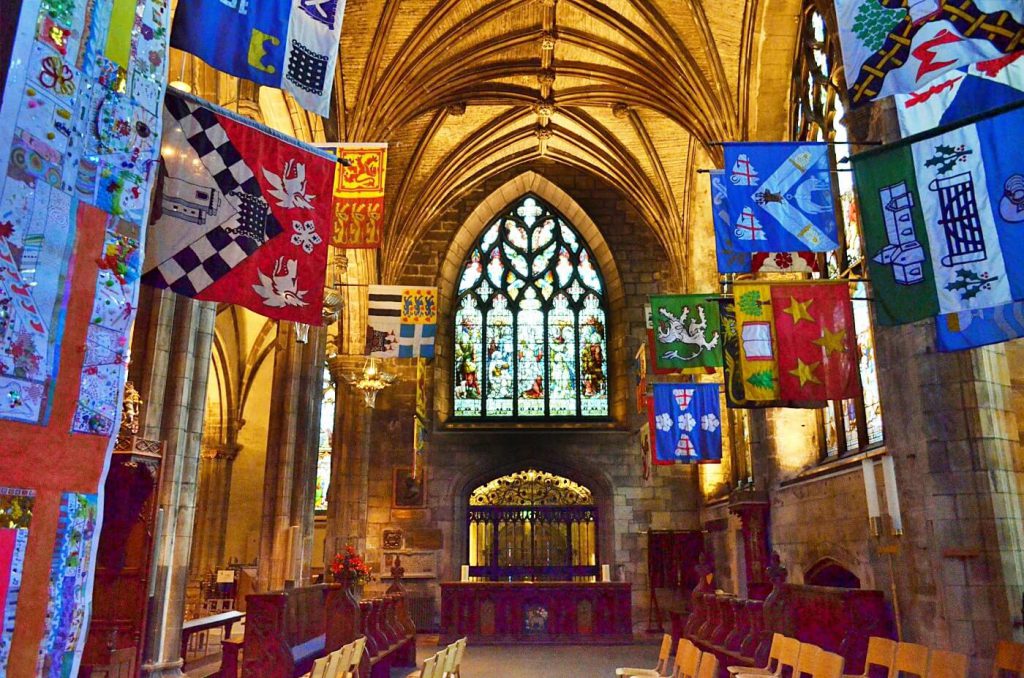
(629, 90)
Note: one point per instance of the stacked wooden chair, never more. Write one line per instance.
(444, 664)
(690, 662)
(661, 668)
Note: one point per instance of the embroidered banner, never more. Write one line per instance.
(893, 46)
(686, 331)
(686, 422)
(402, 321)
(962, 93)
(780, 197)
(291, 45)
(941, 219)
(358, 221)
(979, 327)
(242, 216)
(817, 348)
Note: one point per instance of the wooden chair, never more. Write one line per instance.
(438, 665)
(687, 660)
(453, 664)
(661, 668)
(788, 658)
(336, 662)
(881, 653)
(911, 659)
(768, 669)
(351, 670)
(427, 671)
(946, 664)
(828, 665)
(808, 663)
(708, 666)
(1009, 661)
(319, 669)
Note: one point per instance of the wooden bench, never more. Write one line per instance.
(284, 634)
(222, 620)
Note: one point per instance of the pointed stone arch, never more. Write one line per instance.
(473, 226)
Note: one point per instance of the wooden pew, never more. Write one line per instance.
(284, 634)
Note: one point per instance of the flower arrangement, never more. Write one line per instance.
(349, 567)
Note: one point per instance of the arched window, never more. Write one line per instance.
(819, 115)
(323, 460)
(530, 335)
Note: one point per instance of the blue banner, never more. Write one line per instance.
(730, 259)
(687, 423)
(780, 197)
(277, 43)
(979, 327)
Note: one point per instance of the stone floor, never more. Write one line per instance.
(544, 661)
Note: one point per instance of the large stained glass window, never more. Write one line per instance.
(819, 115)
(531, 327)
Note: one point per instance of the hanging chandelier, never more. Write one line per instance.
(371, 382)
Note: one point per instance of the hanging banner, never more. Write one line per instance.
(401, 321)
(687, 331)
(290, 45)
(358, 221)
(941, 216)
(242, 215)
(893, 47)
(686, 423)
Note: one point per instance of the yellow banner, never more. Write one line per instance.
(759, 360)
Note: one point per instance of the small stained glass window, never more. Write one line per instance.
(323, 460)
(531, 332)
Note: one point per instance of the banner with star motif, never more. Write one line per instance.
(686, 332)
(686, 422)
(780, 197)
(892, 46)
(358, 210)
(732, 260)
(942, 214)
(241, 215)
(288, 44)
(817, 348)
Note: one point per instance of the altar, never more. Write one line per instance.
(537, 612)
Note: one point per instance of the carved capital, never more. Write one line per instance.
(547, 41)
(544, 108)
(456, 109)
(620, 110)
(546, 76)
(543, 132)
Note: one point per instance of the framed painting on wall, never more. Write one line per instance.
(408, 491)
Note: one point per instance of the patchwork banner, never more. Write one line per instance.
(687, 331)
(402, 321)
(780, 197)
(242, 216)
(979, 327)
(287, 44)
(941, 219)
(16, 507)
(894, 46)
(731, 259)
(962, 93)
(686, 422)
(358, 221)
(817, 346)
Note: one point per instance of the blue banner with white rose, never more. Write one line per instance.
(686, 423)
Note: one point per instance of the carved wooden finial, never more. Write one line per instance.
(130, 410)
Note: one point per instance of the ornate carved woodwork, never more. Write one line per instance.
(541, 612)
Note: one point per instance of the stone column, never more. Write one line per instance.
(292, 441)
(176, 351)
(215, 472)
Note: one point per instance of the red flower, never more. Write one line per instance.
(6, 229)
(783, 259)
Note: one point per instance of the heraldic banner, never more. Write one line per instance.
(277, 43)
(959, 94)
(780, 197)
(242, 215)
(358, 221)
(402, 321)
(941, 214)
(685, 420)
(686, 332)
(818, 355)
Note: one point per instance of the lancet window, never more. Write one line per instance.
(530, 335)
(819, 115)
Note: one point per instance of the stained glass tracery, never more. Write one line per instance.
(530, 336)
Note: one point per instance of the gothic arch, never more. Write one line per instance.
(530, 182)
(830, 572)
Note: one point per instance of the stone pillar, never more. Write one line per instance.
(176, 352)
(286, 533)
(215, 472)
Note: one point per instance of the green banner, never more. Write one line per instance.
(895, 237)
(687, 331)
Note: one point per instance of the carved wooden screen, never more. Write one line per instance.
(532, 526)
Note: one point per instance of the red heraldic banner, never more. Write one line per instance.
(242, 216)
(817, 342)
(359, 196)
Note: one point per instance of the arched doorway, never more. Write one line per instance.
(532, 526)
(828, 572)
